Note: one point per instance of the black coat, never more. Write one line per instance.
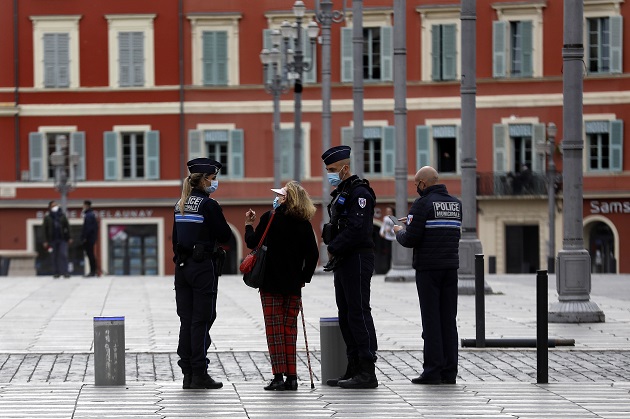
(90, 227)
(291, 251)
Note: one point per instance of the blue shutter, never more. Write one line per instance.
(286, 156)
(50, 60)
(389, 150)
(110, 150)
(36, 155)
(498, 48)
(138, 58)
(77, 146)
(500, 150)
(436, 49)
(387, 53)
(152, 148)
(616, 44)
(207, 38)
(528, 57)
(616, 145)
(222, 58)
(195, 145)
(423, 146)
(215, 58)
(309, 76)
(538, 136)
(346, 55)
(63, 60)
(237, 154)
(124, 59)
(347, 134)
(449, 52)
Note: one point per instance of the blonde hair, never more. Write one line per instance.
(298, 202)
(191, 182)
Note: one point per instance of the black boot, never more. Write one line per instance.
(351, 370)
(187, 381)
(276, 384)
(204, 381)
(291, 383)
(364, 378)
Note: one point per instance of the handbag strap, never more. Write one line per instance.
(262, 239)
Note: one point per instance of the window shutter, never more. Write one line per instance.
(528, 57)
(389, 150)
(286, 157)
(152, 148)
(616, 44)
(449, 52)
(346, 55)
(616, 145)
(50, 59)
(195, 145)
(63, 60)
(499, 36)
(222, 58)
(436, 48)
(77, 146)
(237, 153)
(215, 58)
(500, 151)
(423, 156)
(124, 59)
(310, 76)
(347, 134)
(138, 58)
(208, 52)
(110, 146)
(36, 155)
(387, 53)
(538, 136)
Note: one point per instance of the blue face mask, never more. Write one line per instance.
(334, 179)
(214, 185)
(276, 203)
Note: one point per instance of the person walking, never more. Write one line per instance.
(349, 242)
(433, 230)
(292, 255)
(198, 225)
(57, 238)
(88, 236)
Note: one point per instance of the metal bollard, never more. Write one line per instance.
(542, 328)
(480, 302)
(109, 351)
(334, 360)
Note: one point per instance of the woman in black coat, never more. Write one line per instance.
(291, 260)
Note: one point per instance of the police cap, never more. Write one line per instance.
(204, 165)
(334, 154)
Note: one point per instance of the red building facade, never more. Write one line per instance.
(138, 89)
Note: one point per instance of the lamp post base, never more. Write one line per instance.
(468, 248)
(576, 312)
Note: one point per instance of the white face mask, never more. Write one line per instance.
(55, 208)
(214, 185)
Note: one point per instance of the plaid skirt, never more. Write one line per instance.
(280, 312)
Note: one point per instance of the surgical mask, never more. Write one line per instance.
(334, 178)
(276, 202)
(214, 185)
(55, 208)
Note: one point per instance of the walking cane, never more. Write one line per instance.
(308, 356)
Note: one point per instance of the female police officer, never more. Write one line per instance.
(199, 225)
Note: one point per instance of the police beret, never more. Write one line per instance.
(334, 154)
(204, 165)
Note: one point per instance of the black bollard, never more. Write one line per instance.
(542, 328)
(480, 305)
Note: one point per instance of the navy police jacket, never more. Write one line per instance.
(352, 204)
(203, 222)
(433, 230)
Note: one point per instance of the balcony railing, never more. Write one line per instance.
(511, 184)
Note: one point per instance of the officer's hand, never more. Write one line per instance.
(250, 217)
(397, 228)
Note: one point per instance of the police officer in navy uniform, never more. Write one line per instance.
(351, 253)
(433, 231)
(199, 225)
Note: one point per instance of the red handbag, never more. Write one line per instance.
(250, 260)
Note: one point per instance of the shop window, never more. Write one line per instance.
(133, 249)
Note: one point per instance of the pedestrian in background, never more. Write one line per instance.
(198, 225)
(387, 227)
(290, 263)
(89, 234)
(351, 257)
(433, 230)
(57, 238)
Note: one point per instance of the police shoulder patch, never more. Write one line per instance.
(362, 202)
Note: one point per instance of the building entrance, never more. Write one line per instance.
(522, 252)
(601, 246)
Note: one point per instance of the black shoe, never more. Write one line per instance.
(187, 381)
(426, 380)
(90, 275)
(291, 384)
(449, 381)
(277, 384)
(66, 276)
(204, 381)
(56, 276)
(351, 370)
(364, 378)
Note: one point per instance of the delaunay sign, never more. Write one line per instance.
(614, 207)
(131, 213)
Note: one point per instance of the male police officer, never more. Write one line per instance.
(199, 225)
(351, 251)
(433, 230)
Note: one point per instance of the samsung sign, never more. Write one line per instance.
(614, 207)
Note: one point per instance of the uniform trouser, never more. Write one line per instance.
(437, 291)
(281, 312)
(196, 296)
(60, 257)
(88, 248)
(352, 292)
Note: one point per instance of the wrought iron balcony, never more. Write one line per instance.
(512, 184)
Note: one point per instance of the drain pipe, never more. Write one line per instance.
(16, 94)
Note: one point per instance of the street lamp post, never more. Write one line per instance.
(65, 169)
(551, 196)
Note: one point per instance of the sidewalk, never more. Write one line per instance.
(46, 366)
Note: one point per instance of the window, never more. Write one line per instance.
(131, 50)
(438, 145)
(378, 149)
(378, 49)
(443, 52)
(221, 143)
(215, 48)
(604, 44)
(514, 147)
(47, 141)
(440, 42)
(371, 54)
(132, 153)
(56, 51)
(604, 145)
